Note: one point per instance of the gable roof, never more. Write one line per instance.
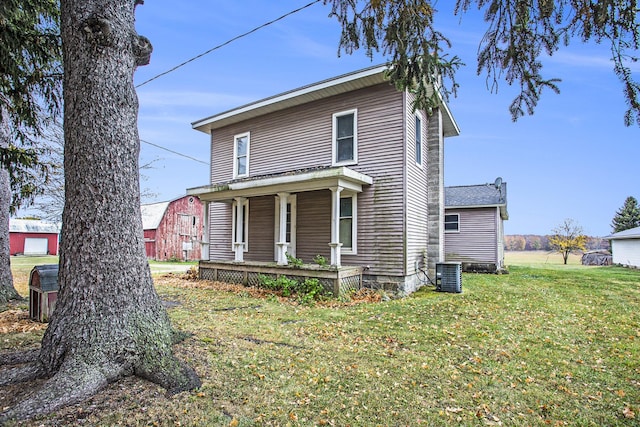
(337, 85)
(152, 214)
(32, 226)
(476, 196)
(632, 233)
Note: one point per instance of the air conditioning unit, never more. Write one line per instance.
(449, 277)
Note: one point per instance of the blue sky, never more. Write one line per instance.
(573, 159)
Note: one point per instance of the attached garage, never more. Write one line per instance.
(33, 237)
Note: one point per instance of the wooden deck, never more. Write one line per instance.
(338, 280)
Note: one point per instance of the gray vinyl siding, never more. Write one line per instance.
(477, 240)
(302, 138)
(261, 232)
(416, 202)
(313, 230)
(220, 231)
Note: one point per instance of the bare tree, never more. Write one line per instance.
(567, 238)
(49, 204)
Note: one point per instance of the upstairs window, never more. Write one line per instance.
(418, 141)
(345, 140)
(451, 223)
(241, 155)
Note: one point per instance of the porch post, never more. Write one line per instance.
(335, 226)
(204, 245)
(282, 236)
(238, 245)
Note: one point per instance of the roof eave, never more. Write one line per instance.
(341, 84)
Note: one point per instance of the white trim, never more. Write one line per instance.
(444, 222)
(418, 117)
(353, 250)
(290, 183)
(334, 138)
(293, 201)
(325, 88)
(235, 154)
(245, 221)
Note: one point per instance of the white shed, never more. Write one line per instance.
(625, 247)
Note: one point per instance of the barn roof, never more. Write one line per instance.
(632, 233)
(476, 196)
(152, 214)
(33, 226)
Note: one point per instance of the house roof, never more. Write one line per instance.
(476, 196)
(632, 233)
(324, 89)
(152, 214)
(309, 179)
(33, 226)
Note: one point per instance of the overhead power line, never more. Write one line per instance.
(175, 152)
(227, 42)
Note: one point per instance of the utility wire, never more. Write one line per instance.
(175, 152)
(227, 42)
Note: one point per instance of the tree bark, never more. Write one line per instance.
(7, 291)
(109, 321)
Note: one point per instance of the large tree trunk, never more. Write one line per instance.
(109, 321)
(7, 291)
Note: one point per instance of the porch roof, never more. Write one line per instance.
(286, 182)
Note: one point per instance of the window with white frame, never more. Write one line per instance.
(348, 223)
(345, 138)
(451, 223)
(418, 140)
(241, 155)
(245, 229)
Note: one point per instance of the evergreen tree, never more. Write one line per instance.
(628, 216)
(30, 86)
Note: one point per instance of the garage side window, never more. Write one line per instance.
(452, 223)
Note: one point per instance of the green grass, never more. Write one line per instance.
(543, 345)
(21, 266)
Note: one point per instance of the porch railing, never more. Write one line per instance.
(338, 281)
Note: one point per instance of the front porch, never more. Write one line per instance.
(338, 280)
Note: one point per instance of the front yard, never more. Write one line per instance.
(544, 345)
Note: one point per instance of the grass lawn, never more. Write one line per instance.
(544, 345)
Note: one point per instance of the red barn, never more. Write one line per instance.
(33, 237)
(173, 230)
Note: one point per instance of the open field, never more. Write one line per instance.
(539, 258)
(546, 345)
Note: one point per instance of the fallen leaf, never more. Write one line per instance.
(628, 413)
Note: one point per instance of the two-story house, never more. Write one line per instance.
(343, 168)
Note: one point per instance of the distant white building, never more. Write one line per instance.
(625, 247)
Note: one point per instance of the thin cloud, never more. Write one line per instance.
(192, 99)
